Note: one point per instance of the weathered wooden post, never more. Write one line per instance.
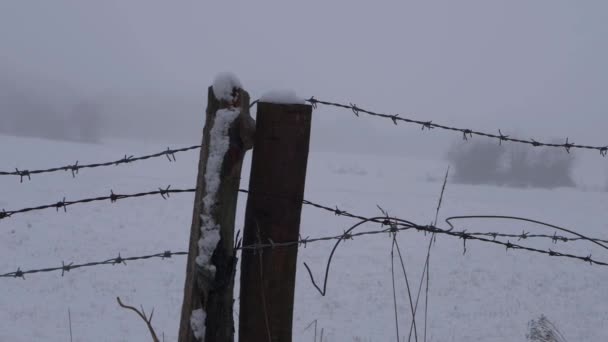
(274, 204)
(208, 295)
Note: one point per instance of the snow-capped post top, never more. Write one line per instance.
(226, 86)
(282, 97)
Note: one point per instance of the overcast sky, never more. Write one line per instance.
(533, 67)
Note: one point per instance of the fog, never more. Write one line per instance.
(141, 68)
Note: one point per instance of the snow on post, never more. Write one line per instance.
(197, 321)
(218, 146)
(282, 97)
(225, 86)
(228, 134)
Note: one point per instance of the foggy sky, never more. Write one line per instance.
(535, 68)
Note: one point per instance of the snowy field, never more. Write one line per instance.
(487, 294)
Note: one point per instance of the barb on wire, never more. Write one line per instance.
(74, 168)
(72, 266)
(113, 197)
(21, 174)
(466, 133)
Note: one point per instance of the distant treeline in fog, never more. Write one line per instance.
(486, 162)
(32, 110)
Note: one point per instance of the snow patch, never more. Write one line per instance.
(282, 96)
(223, 85)
(218, 146)
(197, 323)
(569, 293)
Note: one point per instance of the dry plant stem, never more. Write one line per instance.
(394, 294)
(70, 323)
(409, 292)
(143, 316)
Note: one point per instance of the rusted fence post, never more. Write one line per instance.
(274, 204)
(208, 294)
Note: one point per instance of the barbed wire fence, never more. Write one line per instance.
(467, 133)
(66, 267)
(166, 192)
(113, 197)
(75, 168)
(386, 224)
(169, 153)
(389, 225)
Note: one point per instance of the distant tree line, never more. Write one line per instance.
(484, 162)
(27, 113)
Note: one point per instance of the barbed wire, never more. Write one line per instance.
(397, 225)
(166, 192)
(395, 118)
(393, 226)
(527, 235)
(522, 236)
(71, 266)
(74, 168)
(113, 197)
(466, 133)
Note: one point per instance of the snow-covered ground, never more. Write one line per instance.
(487, 294)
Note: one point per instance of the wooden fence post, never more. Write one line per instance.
(274, 205)
(208, 294)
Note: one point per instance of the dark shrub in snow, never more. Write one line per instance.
(542, 330)
(486, 162)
